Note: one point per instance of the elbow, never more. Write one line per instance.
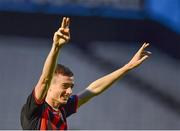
(45, 81)
(94, 90)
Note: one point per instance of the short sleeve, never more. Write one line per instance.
(32, 108)
(71, 106)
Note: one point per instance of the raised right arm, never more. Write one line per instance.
(61, 37)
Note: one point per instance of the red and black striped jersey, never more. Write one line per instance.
(38, 115)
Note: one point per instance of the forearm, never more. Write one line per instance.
(100, 85)
(50, 63)
(47, 73)
(105, 82)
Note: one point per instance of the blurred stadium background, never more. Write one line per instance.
(104, 36)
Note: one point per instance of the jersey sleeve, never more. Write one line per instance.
(32, 108)
(72, 105)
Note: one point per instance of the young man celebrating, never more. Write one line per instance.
(51, 101)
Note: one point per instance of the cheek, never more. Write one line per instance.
(62, 92)
(59, 92)
(55, 92)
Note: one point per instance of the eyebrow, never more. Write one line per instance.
(70, 84)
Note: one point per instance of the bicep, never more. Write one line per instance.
(41, 88)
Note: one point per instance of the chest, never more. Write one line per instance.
(53, 120)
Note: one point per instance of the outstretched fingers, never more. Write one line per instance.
(140, 56)
(145, 45)
(65, 22)
(144, 55)
(62, 35)
(143, 58)
(64, 29)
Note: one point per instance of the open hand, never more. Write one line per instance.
(62, 35)
(139, 57)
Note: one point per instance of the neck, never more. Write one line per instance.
(53, 103)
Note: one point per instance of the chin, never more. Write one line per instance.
(60, 101)
(64, 102)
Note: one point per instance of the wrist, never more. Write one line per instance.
(57, 45)
(128, 67)
(56, 48)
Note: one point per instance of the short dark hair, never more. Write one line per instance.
(63, 70)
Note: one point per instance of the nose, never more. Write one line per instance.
(69, 91)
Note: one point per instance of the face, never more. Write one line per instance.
(61, 88)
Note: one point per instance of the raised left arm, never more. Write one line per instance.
(100, 85)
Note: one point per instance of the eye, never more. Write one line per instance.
(67, 85)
